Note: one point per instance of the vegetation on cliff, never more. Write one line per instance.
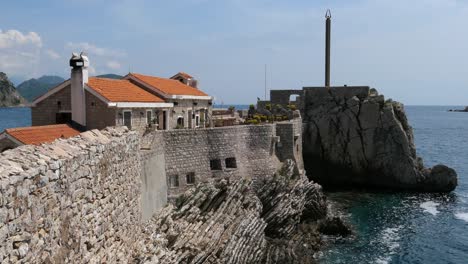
(9, 96)
(32, 88)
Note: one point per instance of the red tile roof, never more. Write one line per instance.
(121, 91)
(168, 86)
(37, 135)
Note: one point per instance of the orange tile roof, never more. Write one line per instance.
(37, 135)
(169, 86)
(121, 91)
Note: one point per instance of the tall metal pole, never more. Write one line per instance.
(327, 47)
(265, 82)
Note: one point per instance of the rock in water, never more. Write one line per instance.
(272, 221)
(354, 138)
(8, 94)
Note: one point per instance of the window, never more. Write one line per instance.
(149, 117)
(190, 178)
(231, 163)
(215, 164)
(197, 120)
(180, 121)
(174, 181)
(175, 103)
(127, 119)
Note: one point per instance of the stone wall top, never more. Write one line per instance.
(73, 200)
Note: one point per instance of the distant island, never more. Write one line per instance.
(30, 89)
(110, 76)
(459, 110)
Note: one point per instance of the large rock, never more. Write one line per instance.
(353, 137)
(8, 94)
(272, 221)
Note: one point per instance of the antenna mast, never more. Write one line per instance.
(265, 82)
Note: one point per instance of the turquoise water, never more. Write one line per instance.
(395, 227)
(413, 228)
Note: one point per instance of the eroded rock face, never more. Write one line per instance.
(273, 221)
(353, 137)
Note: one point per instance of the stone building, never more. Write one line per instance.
(191, 106)
(136, 101)
(15, 137)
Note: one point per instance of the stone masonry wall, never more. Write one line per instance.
(74, 200)
(253, 149)
(44, 113)
(98, 114)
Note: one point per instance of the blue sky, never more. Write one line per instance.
(411, 51)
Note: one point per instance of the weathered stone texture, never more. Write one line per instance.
(353, 137)
(253, 147)
(98, 114)
(236, 222)
(74, 200)
(44, 113)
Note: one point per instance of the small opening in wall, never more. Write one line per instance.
(215, 164)
(174, 181)
(93, 103)
(176, 103)
(190, 178)
(59, 103)
(297, 148)
(231, 163)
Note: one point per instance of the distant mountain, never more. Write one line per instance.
(8, 94)
(33, 88)
(110, 76)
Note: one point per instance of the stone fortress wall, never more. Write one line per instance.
(74, 200)
(202, 155)
(86, 199)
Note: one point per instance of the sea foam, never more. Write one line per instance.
(462, 216)
(430, 207)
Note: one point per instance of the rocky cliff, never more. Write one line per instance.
(354, 137)
(273, 220)
(8, 94)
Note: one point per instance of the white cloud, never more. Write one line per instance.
(52, 54)
(13, 38)
(114, 65)
(95, 50)
(19, 52)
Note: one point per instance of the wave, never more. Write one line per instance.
(430, 207)
(390, 238)
(462, 216)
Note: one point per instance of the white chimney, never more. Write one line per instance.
(79, 76)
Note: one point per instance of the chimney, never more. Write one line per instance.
(79, 76)
(192, 82)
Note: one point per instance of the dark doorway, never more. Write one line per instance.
(164, 120)
(128, 119)
(63, 118)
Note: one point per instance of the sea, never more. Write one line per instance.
(393, 227)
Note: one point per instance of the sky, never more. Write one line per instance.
(415, 52)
